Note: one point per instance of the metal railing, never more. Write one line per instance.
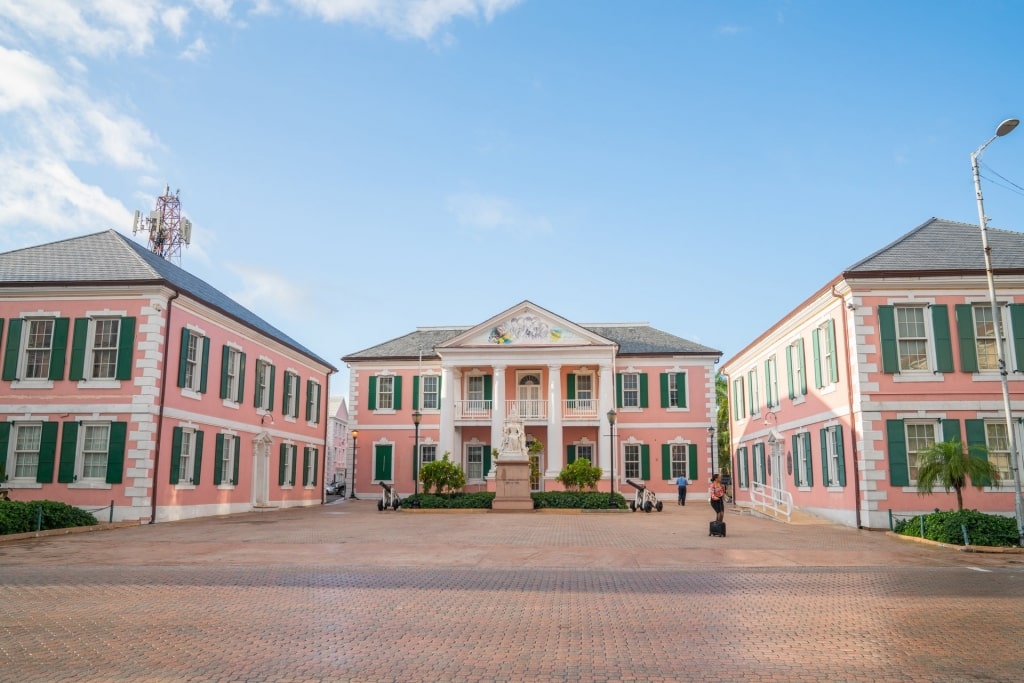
(771, 501)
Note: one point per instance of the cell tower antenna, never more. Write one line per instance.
(164, 225)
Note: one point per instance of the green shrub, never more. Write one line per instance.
(456, 501)
(579, 475)
(947, 527)
(442, 475)
(18, 517)
(575, 500)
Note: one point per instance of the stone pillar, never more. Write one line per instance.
(604, 446)
(446, 428)
(554, 449)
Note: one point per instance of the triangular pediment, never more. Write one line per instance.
(525, 325)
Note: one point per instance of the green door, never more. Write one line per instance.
(382, 463)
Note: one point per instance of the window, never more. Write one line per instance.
(33, 447)
(38, 343)
(35, 349)
(385, 392)
(225, 467)
(26, 451)
(312, 402)
(428, 452)
(286, 465)
(186, 455)
(915, 339)
(475, 462)
(739, 410)
(677, 453)
(581, 392)
(804, 473)
(309, 466)
(102, 348)
(826, 368)
(232, 374)
(290, 400)
(771, 381)
(752, 385)
(265, 372)
(631, 460)
(673, 390)
(585, 452)
(475, 395)
(920, 436)
(912, 338)
(431, 392)
(194, 359)
(92, 452)
(630, 390)
(998, 449)
(795, 375)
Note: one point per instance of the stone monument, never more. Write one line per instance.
(512, 479)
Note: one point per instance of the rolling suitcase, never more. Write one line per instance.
(716, 529)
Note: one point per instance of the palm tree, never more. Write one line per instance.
(946, 463)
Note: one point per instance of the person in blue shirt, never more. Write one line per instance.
(682, 482)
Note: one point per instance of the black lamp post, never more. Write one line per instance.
(711, 435)
(355, 442)
(416, 417)
(611, 441)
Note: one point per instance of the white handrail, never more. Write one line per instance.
(770, 500)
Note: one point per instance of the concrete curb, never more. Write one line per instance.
(5, 538)
(960, 548)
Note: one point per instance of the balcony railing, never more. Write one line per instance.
(572, 409)
(527, 409)
(474, 409)
(579, 409)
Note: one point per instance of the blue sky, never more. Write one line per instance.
(357, 168)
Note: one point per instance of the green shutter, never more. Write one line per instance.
(175, 454)
(760, 460)
(416, 392)
(833, 363)
(789, 373)
(803, 367)
(1016, 326)
(806, 436)
(371, 401)
(295, 463)
(951, 430)
(841, 456)
(645, 462)
(218, 460)
(60, 348)
(272, 388)
(5, 437)
(570, 386)
(823, 443)
(398, 392)
(282, 462)
(238, 457)
(309, 400)
(487, 459)
(976, 438)
(198, 457)
(319, 398)
(896, 440)
(691, 465)
(965, 333)
(125, 348)
(663, 381)
(751, 405)
(257, 399)
(794, 440)
(570, 455)
(666, 461)
(204, 368)
(183, 356)
(943, 340)
(13, 349)
(241, 379)
(488, 387)
(68, 450)
(643, 389)
(618, 389)
(47, 453)
(768, 383)
(287, 394)
(887, 334)
(816, 346)
(79, 340)
(115, 452)
(225, 357)
(681, 389)
(741, 456)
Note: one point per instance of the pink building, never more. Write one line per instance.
(830, 407)
(560, 377)
(128, 382)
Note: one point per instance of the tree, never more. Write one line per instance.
(442, 475)
(947, 464)
(579, 475)
(722, 424)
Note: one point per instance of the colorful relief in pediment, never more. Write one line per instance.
(528, 329)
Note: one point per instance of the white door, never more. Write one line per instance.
(778, 471)
(261, 472)
(530, 406)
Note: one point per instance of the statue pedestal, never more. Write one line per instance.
(512, 487)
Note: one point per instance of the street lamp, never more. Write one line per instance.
(416, 417)
(1018, 505)
(611, 441)
(355, 442)
(711, 435)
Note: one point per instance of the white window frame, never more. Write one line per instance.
(92, 349)
(679, 460)
(795, 363)
(291, 390)
(227, 461)
(18, 452)
(264, 369)
(772, 398)
(831, 476)
(989, 340)
(82, 454)
(311, 455)
(584, 395)
(186, 462)
(631, 390)
(434, 392)
(194, 361)
(802, 459)
(385, 392)
(998, 446)
(289, 464)
(631, 460)
(314, 401)
(754, 380)
(27, 335)
(475, 462)
(903, 336)
(585, 451)
(921, 427)
(234, 373)
(428, 453)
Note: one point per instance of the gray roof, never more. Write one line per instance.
(111, 258)
(941, 246)
(632, 340)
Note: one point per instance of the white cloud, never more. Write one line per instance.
(25, 82)
(490, 214)
(195, 50)
(269, 292)
(88, 26)
(415, 18)
(174, 19)
(731, 30)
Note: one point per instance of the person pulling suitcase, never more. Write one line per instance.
(716, 492)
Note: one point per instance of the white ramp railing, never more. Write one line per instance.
(771, 501)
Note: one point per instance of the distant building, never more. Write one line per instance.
(831, 406)
(128, 382)
(338, 441)
(561, 378)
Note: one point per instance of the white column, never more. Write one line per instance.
(446, 429)
(604, 446)
(497, 410)
(553, 449)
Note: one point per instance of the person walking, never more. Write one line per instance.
(682, 482)
(715, 493)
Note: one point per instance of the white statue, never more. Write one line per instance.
(513, 442)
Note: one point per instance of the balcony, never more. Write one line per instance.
(478, 410)
(579, 409)
(473, 409)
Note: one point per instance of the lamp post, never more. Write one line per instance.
(355, 443)
(711, 435)
(416, 417)
(611, 441)
(1018, 505)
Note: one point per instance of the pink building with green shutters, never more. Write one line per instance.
(831, 406)
(129, 383)
(561, 378)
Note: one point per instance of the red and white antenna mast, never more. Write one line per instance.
(166, 228)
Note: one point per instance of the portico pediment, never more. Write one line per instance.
(525, 325)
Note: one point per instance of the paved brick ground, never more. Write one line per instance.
(345, 593)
